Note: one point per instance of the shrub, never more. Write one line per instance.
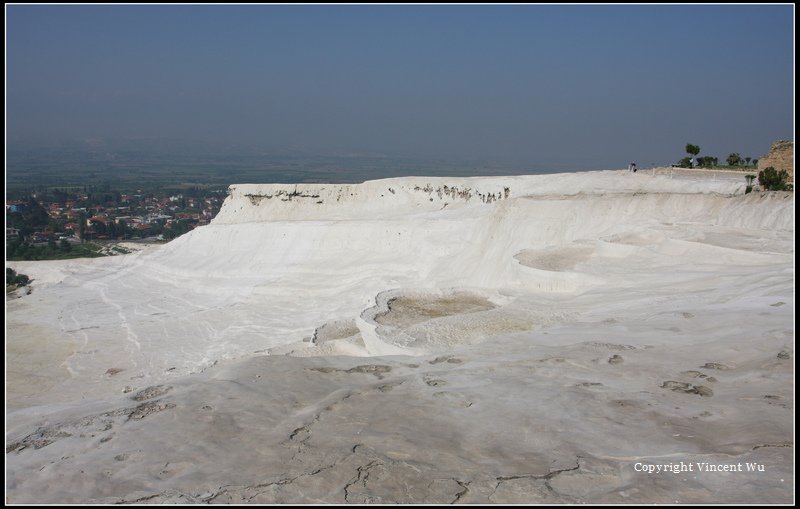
(12, 278)
(773, 180)
(749, 188)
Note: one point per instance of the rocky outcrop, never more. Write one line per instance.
(780, 157)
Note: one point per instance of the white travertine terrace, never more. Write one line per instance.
(489, 339)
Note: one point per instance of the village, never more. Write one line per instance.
(49, 223)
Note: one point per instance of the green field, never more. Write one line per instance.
(146, 169)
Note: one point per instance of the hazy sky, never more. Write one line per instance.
(573, 86)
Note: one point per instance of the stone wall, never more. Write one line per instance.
(780, 157)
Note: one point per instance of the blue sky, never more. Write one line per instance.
(569, 86)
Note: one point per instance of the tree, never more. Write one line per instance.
(100, 227)
(755, 162)
(705, 162)
(81, 225)
(747, 159)
(692, 150)
(32, 216)
(734, 159)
